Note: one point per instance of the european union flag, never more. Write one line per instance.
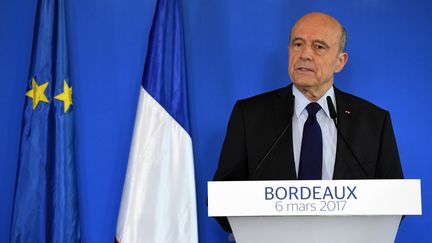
(46, 200)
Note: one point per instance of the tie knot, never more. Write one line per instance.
(313, 108)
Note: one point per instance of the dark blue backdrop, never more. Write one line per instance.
(234, 49)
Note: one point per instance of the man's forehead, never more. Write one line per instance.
(306, 32)
(316, 30)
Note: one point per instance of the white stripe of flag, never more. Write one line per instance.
(159, 202)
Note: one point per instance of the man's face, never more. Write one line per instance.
(314, 53)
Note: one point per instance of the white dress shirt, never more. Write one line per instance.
(328, 130)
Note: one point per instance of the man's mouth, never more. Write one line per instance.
(304, 69)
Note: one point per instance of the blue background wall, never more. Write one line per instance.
(235, 49)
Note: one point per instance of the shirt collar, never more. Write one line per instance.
(301, 101)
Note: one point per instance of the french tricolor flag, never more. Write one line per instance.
(158, 203)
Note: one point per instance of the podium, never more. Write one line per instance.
(338, 211)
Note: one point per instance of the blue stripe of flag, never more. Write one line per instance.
(165, 68)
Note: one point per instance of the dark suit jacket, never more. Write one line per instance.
(256, 122)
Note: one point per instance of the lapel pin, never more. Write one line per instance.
(347, 112)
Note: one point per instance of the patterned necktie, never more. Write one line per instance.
(310, 167)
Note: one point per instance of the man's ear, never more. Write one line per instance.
(343, 58)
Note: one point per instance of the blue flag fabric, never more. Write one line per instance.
(165, 68)
(45, 205)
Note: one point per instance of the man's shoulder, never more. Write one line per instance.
(356, 103)
(266, 97)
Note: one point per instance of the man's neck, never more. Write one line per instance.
(314, 94)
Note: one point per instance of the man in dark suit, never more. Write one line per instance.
(267, 136)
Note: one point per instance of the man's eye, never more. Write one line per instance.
(320, 47)
(298, 44)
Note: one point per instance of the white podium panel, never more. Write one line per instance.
(330, 197)
(332, 211)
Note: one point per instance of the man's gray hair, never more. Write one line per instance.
(343, 40)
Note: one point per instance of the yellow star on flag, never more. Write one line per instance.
(37, 93)
(66, 96)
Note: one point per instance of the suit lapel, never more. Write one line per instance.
(342, 150)
(279, 164)
(282, 118)
(346, 166)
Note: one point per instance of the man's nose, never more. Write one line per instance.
(306, 53)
